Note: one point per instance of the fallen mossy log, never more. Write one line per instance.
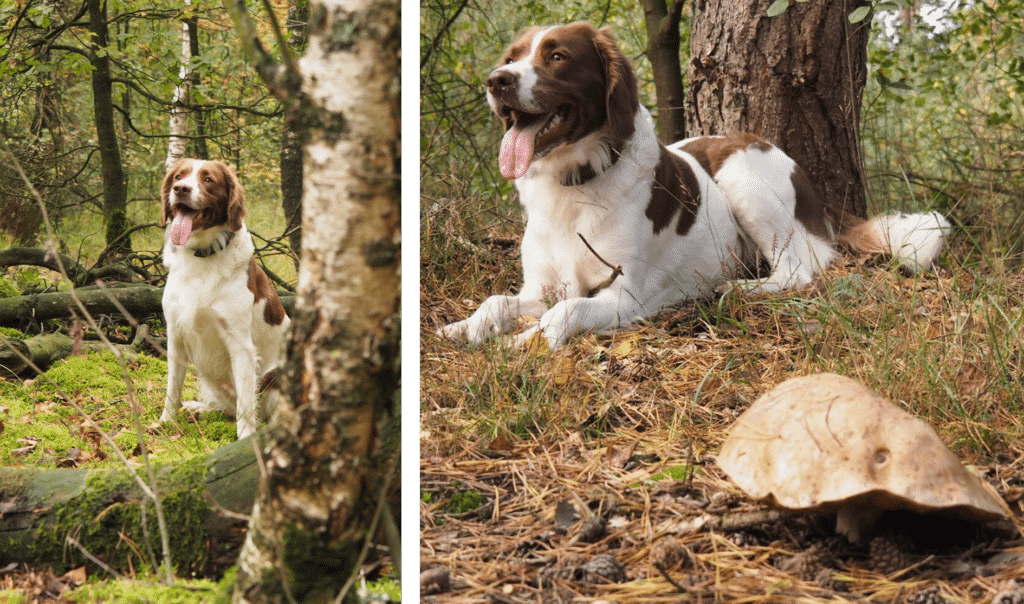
(45, 350)
(106, 512)
(139, 299)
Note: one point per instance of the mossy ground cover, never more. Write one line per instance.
(42, 428)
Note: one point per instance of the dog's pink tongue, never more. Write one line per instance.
(181, 229)
(516, 151)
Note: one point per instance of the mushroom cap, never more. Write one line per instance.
(825, 442)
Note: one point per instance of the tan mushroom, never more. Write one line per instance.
(827, 443)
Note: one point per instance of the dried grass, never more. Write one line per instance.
(624, 427)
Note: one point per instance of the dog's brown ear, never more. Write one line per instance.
(236, 199)
(622, 97)
(165, 191)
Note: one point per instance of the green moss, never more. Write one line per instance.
(106, 518)
(95, 383)
(100, 374)
(674, 473)
(147, 592)
(225, 587)
(12, 596)
(465, 501)
(7, 288)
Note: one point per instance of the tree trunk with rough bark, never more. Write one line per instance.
(796, 79)
(328, 465)
(115, 188)
(662, 22)
(291, 139)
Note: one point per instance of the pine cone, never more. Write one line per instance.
(1013, 595)
(668, 553)
(885, 556)
(593, 530)
(604, 568)
(929, 595)
(568, 568)
(808, 564)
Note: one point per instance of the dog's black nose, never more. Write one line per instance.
(501, 78)
(182, 189)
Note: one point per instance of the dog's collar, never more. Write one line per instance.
(218, 244)
(581, 175)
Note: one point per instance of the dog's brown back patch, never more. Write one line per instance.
(262, 289)
(675, 190)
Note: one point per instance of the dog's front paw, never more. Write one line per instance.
(471, 330)
(195, 407)
(167, 416)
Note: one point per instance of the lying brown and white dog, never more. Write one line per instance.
(681, 221)
(223, 315)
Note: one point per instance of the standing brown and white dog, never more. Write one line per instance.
(223, 315)
(681, 221)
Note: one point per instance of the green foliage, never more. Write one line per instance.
(942, 121)
(48, 122)
(387, 587)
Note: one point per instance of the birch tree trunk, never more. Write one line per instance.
(796, 79)
(177, 143)
(326, 461)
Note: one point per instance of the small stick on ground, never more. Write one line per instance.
(664, 573)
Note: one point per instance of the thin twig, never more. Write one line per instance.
(664, 573)
(616, 270)
(93, 558)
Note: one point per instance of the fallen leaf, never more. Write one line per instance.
(74, 577)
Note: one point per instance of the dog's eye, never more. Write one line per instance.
(557, 56)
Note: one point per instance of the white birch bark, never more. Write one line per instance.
(178, 129)
(323, 458)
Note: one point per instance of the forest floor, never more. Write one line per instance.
(589, 474)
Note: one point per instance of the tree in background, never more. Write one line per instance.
(795, 77)
(89, 87)
(329, 456)
(663, 42)
(291, 137)
(115, 189)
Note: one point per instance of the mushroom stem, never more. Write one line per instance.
(856, 521)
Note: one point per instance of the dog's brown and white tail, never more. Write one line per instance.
(913, 240)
